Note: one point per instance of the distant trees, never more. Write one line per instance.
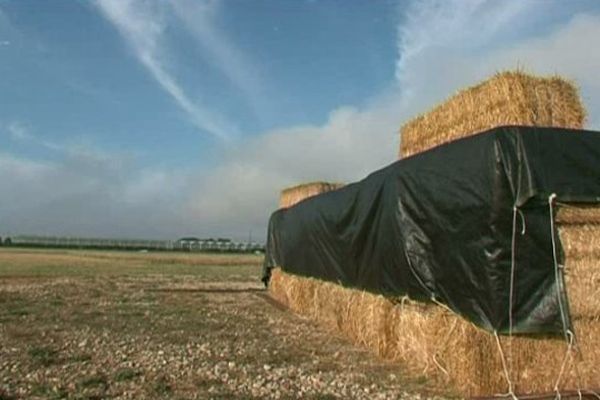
(182, 244)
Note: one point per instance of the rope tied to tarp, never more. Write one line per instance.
(570, 338)
(557, 268)
(513, 251)
(511, 392)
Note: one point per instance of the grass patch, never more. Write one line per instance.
(52, 263)
(81, 358)
(18, 312)
(126, 374)
(44, 356)
(94, 382)
(41, 389)
(204, 383)
(6, 396)
(57, 302)
(162, 386)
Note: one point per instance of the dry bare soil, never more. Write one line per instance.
(96, 325)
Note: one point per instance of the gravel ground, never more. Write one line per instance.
(165, 336)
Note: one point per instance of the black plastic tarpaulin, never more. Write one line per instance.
(466, 223)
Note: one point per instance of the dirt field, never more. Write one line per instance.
(95, 325)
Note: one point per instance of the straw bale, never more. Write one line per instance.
(507, 98)
(580, 214)
(295, 194)
(580, 240)
(582, 278)
(430, 340)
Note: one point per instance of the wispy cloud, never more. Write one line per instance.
(104, 195)
(199, 18)
(434, 62)
(433, 31)
(77, 148)
(142, 24)
(446, 45)
(20, 132)
(6, 29)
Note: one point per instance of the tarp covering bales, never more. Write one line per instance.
(443, 225)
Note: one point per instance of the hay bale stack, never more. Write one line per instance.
(295, 194)
(508, 98)
(430, 340)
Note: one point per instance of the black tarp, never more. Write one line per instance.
(440, 225)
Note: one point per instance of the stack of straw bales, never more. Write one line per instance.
(432, 341)
(295, 194)
(508, 98)
(429, 339)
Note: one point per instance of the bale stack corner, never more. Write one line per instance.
(432, 341)
(508, 98)
(292, 195)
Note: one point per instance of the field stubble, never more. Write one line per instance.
(91, 325)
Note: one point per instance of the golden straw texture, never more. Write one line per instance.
(430, 340)
(508, 98)
(581, 214)
(295, 194)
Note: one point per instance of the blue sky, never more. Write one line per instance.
(73, 71)
(140, 118)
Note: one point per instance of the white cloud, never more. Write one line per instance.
(89, 195)
(244, 189)
(465, 48)
(566, 52)
(142, 25)
(439, 39)
(112, 195)
(89, 192)
(19, 170)
(18, 131)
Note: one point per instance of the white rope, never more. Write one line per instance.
(442, 346)
(512, 286)
(434, 300)
(576, 367)
(592, 393)
(403, 300)
(571, 337)
(524, 228)
(513, 251)
(437, 364)
(511, 392)
(557, 267)
(508, 369)
(512, 270)
(559, 296)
